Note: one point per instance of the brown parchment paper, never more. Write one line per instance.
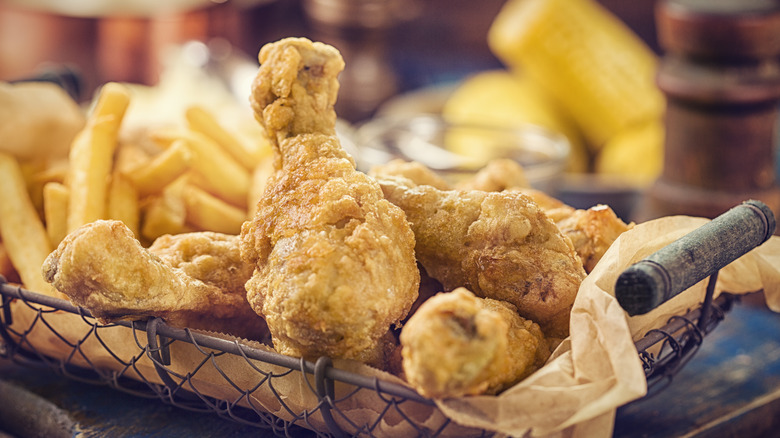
(576, 394)
(597, 369)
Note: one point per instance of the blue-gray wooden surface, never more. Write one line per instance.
(730, 388)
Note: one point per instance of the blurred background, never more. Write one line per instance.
(390, 46)
(409, 56)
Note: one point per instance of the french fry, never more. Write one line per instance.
(130, 156)
(38, 175)
(216, 171)
(22, 231)
(123, 202)
(91, 156)
(207, 212)
(161, 170)
(56, 171)
(55, 211)
(201, 120)
(165, 136)
(164, 214)
(7, 269)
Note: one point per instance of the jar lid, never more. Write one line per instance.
(721, 29)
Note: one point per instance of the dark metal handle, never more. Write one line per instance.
(652, 281)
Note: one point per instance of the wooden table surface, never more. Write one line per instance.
(731, 387)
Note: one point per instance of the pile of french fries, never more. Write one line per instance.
(201, 177)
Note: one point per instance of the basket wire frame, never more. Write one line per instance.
(663, 352)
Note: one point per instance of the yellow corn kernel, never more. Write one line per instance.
(588, 60)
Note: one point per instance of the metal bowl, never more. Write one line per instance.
(456, 151)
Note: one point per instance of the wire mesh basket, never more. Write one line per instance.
(168, 363)
(154, 339)
(148, 372)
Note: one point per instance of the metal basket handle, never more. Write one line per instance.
(652, 281)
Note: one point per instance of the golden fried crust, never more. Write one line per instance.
(553, 208)
(296, 87)
(500, 245)
(457, 344)
(498, 175)
(413, 170)
(103, 267)
(334, 261)
(213, 258)
(592, 232)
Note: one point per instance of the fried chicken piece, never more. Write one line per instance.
(498, 175)
(592, 231)
(102, 267)
(554, 208)
(213, 258)
(457, 344)
(417, 172)
(499, 245)
(335, 263)
(505, 174)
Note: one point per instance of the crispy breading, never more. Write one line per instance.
(498, 175)
(103, 267)
(414, 170)
(213, 258)
(335, 264)
(499, 245)
(457, 344)
(592, 231)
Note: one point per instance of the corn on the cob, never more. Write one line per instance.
(589, 60)
(636, 154)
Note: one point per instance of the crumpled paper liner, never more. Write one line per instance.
(576, 394)
(598, 369)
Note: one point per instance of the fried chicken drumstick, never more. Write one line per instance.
(335, 264)
(102, 267)
(457, 344)
(592, 231)
(499, 245)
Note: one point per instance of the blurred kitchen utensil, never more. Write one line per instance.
(444, 147)
(721, 75)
